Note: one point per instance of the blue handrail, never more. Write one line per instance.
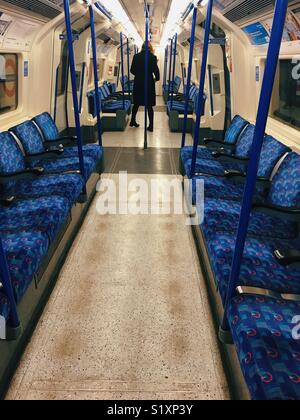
(128, 66)
(96, 81)
(14, 321)
(146, 93)
(103, 10)
(170, 69)
(74, 86)
(260, 128)
(174, 69)
(122, 68)
(202, 85)
(166, 65)
(189, 77)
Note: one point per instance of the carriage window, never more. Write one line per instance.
(8, 83)
(286, 97)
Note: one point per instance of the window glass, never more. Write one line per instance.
(8, 83)
(63, 70)
(286, 96)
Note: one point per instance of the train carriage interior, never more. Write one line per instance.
(150, 201)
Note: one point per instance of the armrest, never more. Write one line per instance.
(49, 154)
(292, 214)
(286, 258)
(234, 173)
(7, 201)
(17, 176)
(221, 153)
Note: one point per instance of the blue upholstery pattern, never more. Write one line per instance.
(47, 126)
(11, 157)
(272, 152)
(244, 144)
(64, 165)
(268, 354)
(259, 266)
(24, 253)
(69, 186)
(4, 306)
(30, 138)
(46, 214)
(285, 190)
(226, 189)
(235, 129)
(223, 216)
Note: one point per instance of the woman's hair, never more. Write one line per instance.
(150, 47)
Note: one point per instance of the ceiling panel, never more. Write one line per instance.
(158, 11)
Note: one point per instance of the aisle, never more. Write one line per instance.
(129, 317)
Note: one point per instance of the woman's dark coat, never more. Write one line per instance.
(138, 70)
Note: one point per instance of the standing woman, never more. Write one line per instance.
(138, 70)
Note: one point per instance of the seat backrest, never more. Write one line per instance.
(106, 89)
(11, 157)
(285, 189)
(177, 81)
(235, 129)
(30, 137)
(103, 94)
(272, 152)
(193, 92)
(47, 126)
(245, 141)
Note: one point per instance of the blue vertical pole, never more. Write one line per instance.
(128, 66)
(146, 93)
(260, 128)
(202, 85)
(170, 69)
(96, 81)
(189, 77)
(166, 66)
(122, 68)
(74, 85)
(8, 289)
(174, 70)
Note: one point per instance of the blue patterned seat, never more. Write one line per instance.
(33, 144)
(112, 105)
(50, 133)
(228, 189)
(218, 167)
(268, 353)
(45, 215)
(25, 252)
(232, 135)
(224, 215)
(259, 265)
(12, 161)
(4, 306)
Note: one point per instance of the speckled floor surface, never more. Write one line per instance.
(129, 317)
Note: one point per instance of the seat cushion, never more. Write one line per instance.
(259, 266)
(268, 353)
(226, 189)
(4, 306)
(45, 215)
(93, 151)
(64, 165)
(223, 216)
(25, 252)
(213, 167)
(69, 186)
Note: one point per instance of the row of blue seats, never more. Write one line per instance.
(170, 87)
(268, 298)
(178, 102)
(111, 101)
(40, 182)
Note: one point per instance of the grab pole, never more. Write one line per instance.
(122, 68)
(174, 69)
(146, 93)
(189, 77)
